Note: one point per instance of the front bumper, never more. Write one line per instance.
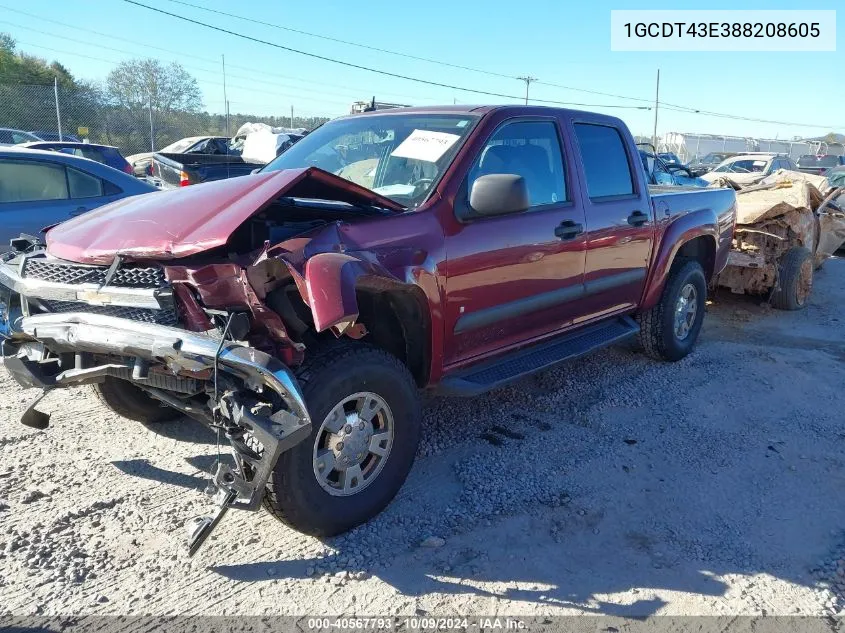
(252, 397)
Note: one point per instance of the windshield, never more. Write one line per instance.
(399, 156)
(179, 146)
(744, 166)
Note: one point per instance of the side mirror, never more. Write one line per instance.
(499, 194)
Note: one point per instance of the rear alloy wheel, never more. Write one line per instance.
(669, 330)
(795, 281)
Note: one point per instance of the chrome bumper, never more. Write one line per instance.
(177, 349)
(236, 411)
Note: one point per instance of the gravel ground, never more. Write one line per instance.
(614, 485)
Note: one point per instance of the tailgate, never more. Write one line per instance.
(168, 172)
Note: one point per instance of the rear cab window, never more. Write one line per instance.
(605, 161)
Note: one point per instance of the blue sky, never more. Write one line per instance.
(557, 41)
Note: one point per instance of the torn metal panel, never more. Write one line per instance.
(783, 211)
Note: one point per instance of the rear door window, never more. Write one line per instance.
(605, 161)
(27, 181)
(83, 185)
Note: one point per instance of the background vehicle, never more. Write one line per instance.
(670, 158)
(746, 169)
(701, 166)
(40, 188)
(836, 176)
(659, 172)
(191, 145)
(458, 248)
(181, 170)
(54, 136)
(817, 165)
(105, 154)
(9, 136)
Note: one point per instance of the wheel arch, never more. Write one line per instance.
(693, 236)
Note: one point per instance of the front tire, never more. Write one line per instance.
(669, 330)
(131, 402)
(365, 416)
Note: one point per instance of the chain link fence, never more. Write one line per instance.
(86, 114)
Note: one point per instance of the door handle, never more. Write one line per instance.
(568, 230)
(637, 218)
(78, 211)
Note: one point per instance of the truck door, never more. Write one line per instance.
(619, 220)
(514, 277)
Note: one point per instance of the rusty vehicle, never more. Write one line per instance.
(787, 226)
(298, 310)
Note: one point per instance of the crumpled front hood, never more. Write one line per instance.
(183, 222)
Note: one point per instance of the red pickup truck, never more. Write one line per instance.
(299, 310)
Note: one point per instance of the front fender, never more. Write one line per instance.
(328, 286)
(679, 231)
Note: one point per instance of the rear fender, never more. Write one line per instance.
(701, 222)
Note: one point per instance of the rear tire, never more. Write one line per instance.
(669, 330)
(314, 500)
(131, 402)
(795, 281)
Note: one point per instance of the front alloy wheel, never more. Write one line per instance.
(353, 444)
(365, 414)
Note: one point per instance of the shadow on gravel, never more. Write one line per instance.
(618, 486)
(145, 470)
(184, 429)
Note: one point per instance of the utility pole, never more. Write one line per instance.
(291, 117)
(527, 79)
(656, 104)
(152, 133)
(58, 112)
(225, 98)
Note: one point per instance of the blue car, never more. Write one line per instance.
(659, 172)
(106, 154)
(40, 188)
(54, 136)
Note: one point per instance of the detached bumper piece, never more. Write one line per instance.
(259, 406)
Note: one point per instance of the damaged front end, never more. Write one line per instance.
(64, 324)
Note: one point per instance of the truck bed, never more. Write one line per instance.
(179, 170)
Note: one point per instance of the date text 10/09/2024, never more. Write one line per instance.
(722, 29)
(416, 623)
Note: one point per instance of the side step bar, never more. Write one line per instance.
(526, 361)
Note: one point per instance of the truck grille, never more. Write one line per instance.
(159, 317)
(149, 277)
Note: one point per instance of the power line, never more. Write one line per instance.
(340, 41)
(367, 68)
(216, 83)
(397, 53)
(180, 55)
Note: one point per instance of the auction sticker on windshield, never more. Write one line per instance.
(425, 145)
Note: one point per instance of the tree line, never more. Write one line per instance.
(118, 110)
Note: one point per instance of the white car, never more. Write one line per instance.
(747, 169)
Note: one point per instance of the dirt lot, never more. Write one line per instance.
(614, 485)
